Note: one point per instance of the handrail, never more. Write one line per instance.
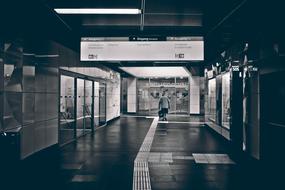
(87, 110)
(65, 118)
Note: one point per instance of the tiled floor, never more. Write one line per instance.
(102, 161)
(106, 160)
(212, 159)
(110, 155)
(196, 159)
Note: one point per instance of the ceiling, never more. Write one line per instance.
(158, 16)
(219, 21)
(145, 72)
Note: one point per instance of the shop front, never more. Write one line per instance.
(218, 105)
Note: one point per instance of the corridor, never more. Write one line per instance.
(183, 155)
(142, 95)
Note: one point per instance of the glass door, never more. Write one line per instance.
(156, 93)
(182, 96)
(102, 103)
(150, 90)
(67, 110)
(96, 104)
(88, 88)
(157, 87)
(80, 107)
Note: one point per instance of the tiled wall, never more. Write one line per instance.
(30, 94)
(29, 90)
(194, 94)
(253, 143)
(132, 95)
(40, 112)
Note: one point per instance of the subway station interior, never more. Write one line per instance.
(142, 94)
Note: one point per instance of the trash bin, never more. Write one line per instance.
(10, 146)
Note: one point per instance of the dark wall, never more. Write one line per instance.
(29, 90)
(273, 117)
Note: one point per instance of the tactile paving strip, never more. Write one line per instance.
(141, 179)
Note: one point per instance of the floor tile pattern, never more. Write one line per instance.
(141, 179)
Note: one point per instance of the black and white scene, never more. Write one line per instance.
(142, 95)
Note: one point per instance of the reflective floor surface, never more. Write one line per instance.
(182, 156)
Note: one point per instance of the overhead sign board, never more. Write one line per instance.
(142, 49)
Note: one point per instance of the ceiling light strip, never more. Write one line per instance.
(97, 11)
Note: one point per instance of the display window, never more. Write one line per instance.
(226, 100)
(212, 99)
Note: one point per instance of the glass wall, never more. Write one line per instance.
(226, 100)
(67, 111)
(219, 99)
(182, 95)
(84, 106)
(88, 88)
(102, 103)
(80, 107)
(151, 89)
(96, 104)
(212, 99)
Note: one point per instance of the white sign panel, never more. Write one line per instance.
(142, 50)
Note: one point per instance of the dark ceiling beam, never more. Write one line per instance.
(34, 20)
(148, 31)
(57, 16)
(94, 3)
(225, 18)
(142, 15)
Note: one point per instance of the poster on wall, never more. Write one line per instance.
(124, 49)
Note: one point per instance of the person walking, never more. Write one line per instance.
(164, 105)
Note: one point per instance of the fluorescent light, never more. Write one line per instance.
(156, 72)
(47, 56)
(41, 56)
(97, 11)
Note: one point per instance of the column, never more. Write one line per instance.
(132, 95)
(194, 82)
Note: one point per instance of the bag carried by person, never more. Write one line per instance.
(160, 114)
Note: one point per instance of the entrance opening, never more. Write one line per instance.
(149, 91)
